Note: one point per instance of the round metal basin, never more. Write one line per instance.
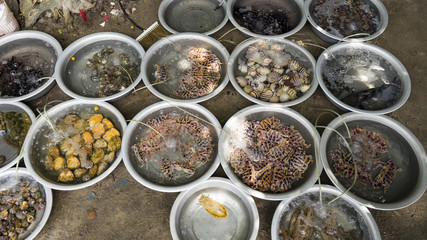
(362, 77)
(35, 49)
(199, 16)
(190, 220)
(37, 141)
(410, 180)
(74, 75)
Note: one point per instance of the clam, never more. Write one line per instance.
(284, 97)
(274, 99)
(263, 70)
(247, 89)
(243, 68)
(303, 88)
(254, 94)
(242, 81)
(266, 95)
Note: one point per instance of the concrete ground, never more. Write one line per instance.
(127, 210)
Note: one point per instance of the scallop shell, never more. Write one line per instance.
(263, 70)
(243, 68)
(266, 95)
(242, 81)
(293, 65)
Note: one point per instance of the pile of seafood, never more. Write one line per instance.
(175, 144)
(18, 79)
(112, 71)
(14, 126)
(263, 21)
(272, 157)
(367, 148)
(19, 206)
(81, 149)
(344, 18)
(271, 75)
(201, 76)
(321, 222)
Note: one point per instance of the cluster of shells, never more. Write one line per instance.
(270, 74)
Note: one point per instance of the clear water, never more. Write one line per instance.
(362, 79)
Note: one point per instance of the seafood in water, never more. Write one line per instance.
(274, 76)
(14, 127)
(344, 18)
(320, 222)
(274, 21)
(273, 158)
(113, 72)
(81, 149)
(199, 79)
(19, 79)
(177, 145)
(19, 206)
(367, 147)
(213, 207)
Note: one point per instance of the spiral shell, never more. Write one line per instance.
(252, 71)
(303, 88)
(293, 65)
(295, 78)
(303, 72)
(254, 94)
(264, 45)
(280, 60)
(257, 86)
(250, 63)
(247, 89)
(292, 93)
(249, 78)
(242, 81)
(277, 47)
(243, 68)
(266, 95)
(278, 70)
(253, 48)
(266, 61)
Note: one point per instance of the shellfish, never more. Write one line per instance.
(267, 63)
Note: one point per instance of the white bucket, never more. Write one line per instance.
(8, 23)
